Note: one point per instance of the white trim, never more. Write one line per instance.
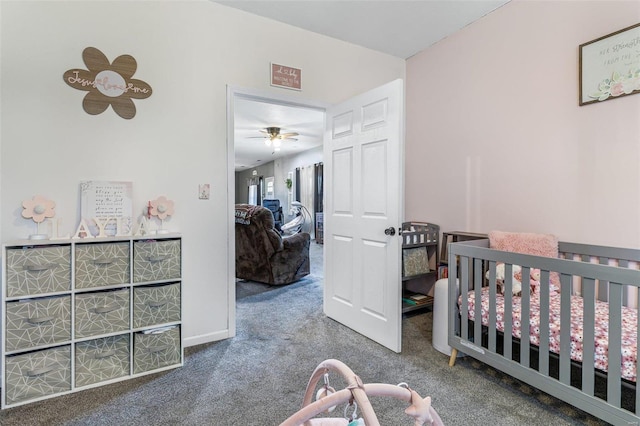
(269, 97)
(205, 338)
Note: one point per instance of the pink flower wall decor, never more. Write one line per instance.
(38, 208)
(161, 207)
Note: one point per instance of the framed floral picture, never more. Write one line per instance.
(610, 66)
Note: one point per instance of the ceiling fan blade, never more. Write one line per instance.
(287, 135)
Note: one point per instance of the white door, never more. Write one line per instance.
(363, 157)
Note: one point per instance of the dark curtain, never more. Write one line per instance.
(297, 194)
(318, 187)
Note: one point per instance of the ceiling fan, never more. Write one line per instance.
(274, 137)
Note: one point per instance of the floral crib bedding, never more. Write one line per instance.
(629, 327)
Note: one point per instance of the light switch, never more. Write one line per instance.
(203, 191)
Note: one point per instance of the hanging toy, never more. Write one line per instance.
(352, 419)
(325, 391)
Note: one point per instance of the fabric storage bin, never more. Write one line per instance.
(102, 264)
(156, 260)
(156, 348)
(39, 373)
(156, 304)
(38, 270)
(37, 322)
(102, 359)
(102, 312)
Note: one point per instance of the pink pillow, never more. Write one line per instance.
(527, 243)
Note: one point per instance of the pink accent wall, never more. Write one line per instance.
(495, 138)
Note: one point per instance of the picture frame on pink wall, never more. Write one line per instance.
(610, 66)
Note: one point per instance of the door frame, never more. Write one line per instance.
(271, 97)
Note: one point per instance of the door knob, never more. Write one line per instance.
(390, 231)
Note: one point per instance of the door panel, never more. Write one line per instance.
(374, 177)
(373, 274)
(342, 259)
(342, 193)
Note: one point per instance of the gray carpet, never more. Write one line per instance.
(259, 377)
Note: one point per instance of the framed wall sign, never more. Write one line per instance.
(106, 199)
(610, 66)
(287, 77)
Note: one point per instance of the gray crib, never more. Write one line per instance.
(595, 273)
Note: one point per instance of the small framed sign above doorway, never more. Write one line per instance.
(287, 77)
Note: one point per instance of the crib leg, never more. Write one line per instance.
(452, 359)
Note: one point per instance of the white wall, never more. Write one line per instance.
(283, 166)
(188, 51)
(496, 139)
(242, 178)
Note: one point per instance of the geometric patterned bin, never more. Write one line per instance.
(38, 373)
(102, 312)
(102, 359)
(102, 264)
(156, 304)
(37, 322)
(156, 348)
(156, 260)
(38, 270)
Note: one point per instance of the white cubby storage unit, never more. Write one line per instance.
(82, 313)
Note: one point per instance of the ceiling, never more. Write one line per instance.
(250, 116)
(395, 27)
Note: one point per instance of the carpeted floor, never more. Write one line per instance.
(259, 377)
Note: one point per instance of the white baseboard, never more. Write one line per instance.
(206, 338)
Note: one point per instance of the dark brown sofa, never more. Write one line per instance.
(262, 254)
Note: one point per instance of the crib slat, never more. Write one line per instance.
(492, 307)
(603, 288)
(464, 291)
(508, 311)
(588, 335)
(477, 287)
(525, 339)
(544, 323)
(625, 296)
(637, 357)
(454, 308)
(565, 329)
(615, 343)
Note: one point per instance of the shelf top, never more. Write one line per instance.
(28, 242)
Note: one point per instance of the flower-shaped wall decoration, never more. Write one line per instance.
(161, 207)
(38, 208)
(108, 83)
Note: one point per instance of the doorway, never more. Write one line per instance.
(267, 109)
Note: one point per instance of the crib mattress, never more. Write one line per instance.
(629, 327)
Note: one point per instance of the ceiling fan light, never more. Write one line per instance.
(267, 142)
(277, 143)
(276, 148)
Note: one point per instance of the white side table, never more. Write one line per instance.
(440, 330)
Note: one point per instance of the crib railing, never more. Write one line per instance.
(595, 273)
